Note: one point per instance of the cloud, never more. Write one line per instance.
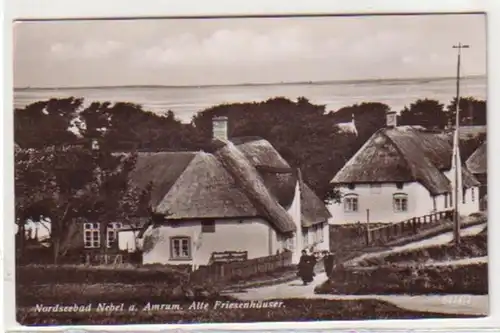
(86, 50)
(228, 47)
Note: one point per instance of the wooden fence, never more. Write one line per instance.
(383, 234)
(241, 269)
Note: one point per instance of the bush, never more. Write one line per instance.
(464, 279)
(53, 274)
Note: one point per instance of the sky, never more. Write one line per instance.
(244, 50)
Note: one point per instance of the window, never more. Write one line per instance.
(434, 204)
(290, 244)
(473, 196)
(112, 233)
(375, 188)
(451, 198)
(351, 203)
(208, 226)
(321, 233)
(464, 193)
(351, 186)
(400, 202)
(91, 235)
(180, 248)
(446, 200)
(399, 185)
(305, 238)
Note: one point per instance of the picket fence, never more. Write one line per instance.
(383, 234)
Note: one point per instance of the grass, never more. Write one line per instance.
(414, 280)
(470, 247)
(291, 310)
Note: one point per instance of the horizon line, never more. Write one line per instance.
(435, 78)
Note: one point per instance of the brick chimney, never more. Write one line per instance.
(219, 128)
(391, 119)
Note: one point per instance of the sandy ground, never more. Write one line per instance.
(453, 304)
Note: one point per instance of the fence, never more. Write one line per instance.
(242, 269)
(408, 227)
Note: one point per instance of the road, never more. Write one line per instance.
(450, 304)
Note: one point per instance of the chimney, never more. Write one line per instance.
(391, 119)
(219, 128)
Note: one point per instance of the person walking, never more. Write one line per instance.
(328, 263)
(306, 267)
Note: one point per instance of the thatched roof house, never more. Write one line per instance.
(404, 154)
(244, 177)
(477, 163)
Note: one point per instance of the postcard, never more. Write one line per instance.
(250, 169)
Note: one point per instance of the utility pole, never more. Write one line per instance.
(455, 154)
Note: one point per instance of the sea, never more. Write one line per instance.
(186, 101)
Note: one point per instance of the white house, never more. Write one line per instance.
(348, 127)
(241, 196)
(477, 164)
(400, 173)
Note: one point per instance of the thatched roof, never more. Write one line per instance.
(477, 162)
(202, 185)
(404, 155)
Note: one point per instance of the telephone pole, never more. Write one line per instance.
(455, 154)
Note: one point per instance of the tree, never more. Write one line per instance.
(424, 112)
(46, 123)
(66, 183)
(472, 111)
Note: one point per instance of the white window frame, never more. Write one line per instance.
(112, 233)
(400, 202)
(91, 235)
(351, 203)
(184, 252)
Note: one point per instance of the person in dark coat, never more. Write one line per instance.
(328, 263)
(306, 267)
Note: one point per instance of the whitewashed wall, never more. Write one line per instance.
(379, 202)
(252, 235)
(471, 204)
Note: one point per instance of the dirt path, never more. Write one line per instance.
(454, 304)
(436, 240)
